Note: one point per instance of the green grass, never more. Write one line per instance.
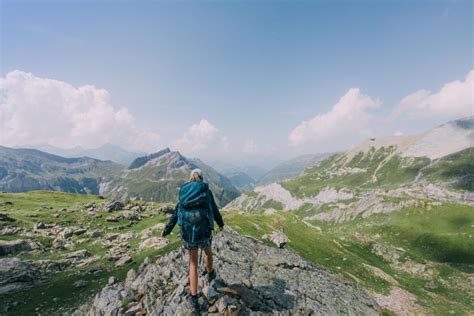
(457, 168)
(381, 171)
(60, 285)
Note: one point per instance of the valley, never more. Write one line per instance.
(384, 219)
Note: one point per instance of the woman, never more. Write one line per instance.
(195, 214)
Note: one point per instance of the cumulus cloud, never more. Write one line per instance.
(455, 99)
(348, 118)
(201, 136)
(36, 111)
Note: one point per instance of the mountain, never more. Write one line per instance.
(290, 168)
(105, 152)
(392, 215)
(241, 180)
(157, 177)
(31, 169)
(229, 169)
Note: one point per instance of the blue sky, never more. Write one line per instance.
(252, 70)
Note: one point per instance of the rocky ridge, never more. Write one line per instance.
(264, 281)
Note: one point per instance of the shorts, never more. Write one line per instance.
(202, 243)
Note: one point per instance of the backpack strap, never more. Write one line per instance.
(211, 211)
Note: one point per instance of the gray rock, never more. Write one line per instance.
(113, 219)
(114, 206)
(80, 283)
(79, 254)
(6, 218)
(123, 261)
(112, 280)
(131, 276)
(94, 234)
(66, 233)
(79, 231)
(210, 293)
(17, 274)
(8, 247)
(281, 283)
(277, 237)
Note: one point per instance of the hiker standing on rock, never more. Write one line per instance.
(195, 213)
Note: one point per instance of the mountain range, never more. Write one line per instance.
(383, 228)
(155, 177)
(107, 151)
(291, 168)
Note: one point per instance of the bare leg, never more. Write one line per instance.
(208, 258)
(193, 278)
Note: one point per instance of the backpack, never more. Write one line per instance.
(195, 214)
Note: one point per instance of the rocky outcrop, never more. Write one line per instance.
(8, 247)
(253, 279)
(17, 274)
(277, 237)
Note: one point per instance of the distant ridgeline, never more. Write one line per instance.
(155, 177)
(140, 161)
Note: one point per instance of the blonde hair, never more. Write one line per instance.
(196, 175)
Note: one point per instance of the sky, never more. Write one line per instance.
(245, 81)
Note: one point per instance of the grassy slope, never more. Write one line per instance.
(60, 285)
(382, 170)
(457, 168)
(445, 240)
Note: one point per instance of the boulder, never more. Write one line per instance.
(79, 254)
(114, 206)
(65, 233)
(153, 242)
(6, 218)
(277, 237)
(112, 280)
(79, 231)
(17, 274)
(80, 283)
(8, 247)
(94, 234)
(123, 261)
(113, 219)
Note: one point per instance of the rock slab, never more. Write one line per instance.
(253, 279)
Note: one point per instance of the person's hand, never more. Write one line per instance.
(221, 228)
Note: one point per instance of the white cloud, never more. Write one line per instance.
(348, 118)
(35, 111)
(200, 137)
(455, 99)
(250, 147)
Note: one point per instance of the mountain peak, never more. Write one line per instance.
(140, 161)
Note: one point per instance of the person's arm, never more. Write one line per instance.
(171, 223)
(215, 210)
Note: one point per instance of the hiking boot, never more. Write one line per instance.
(211, 276)
(194, 301)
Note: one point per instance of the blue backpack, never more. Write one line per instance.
(195, 214)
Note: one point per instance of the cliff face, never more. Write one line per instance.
(252, 279)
